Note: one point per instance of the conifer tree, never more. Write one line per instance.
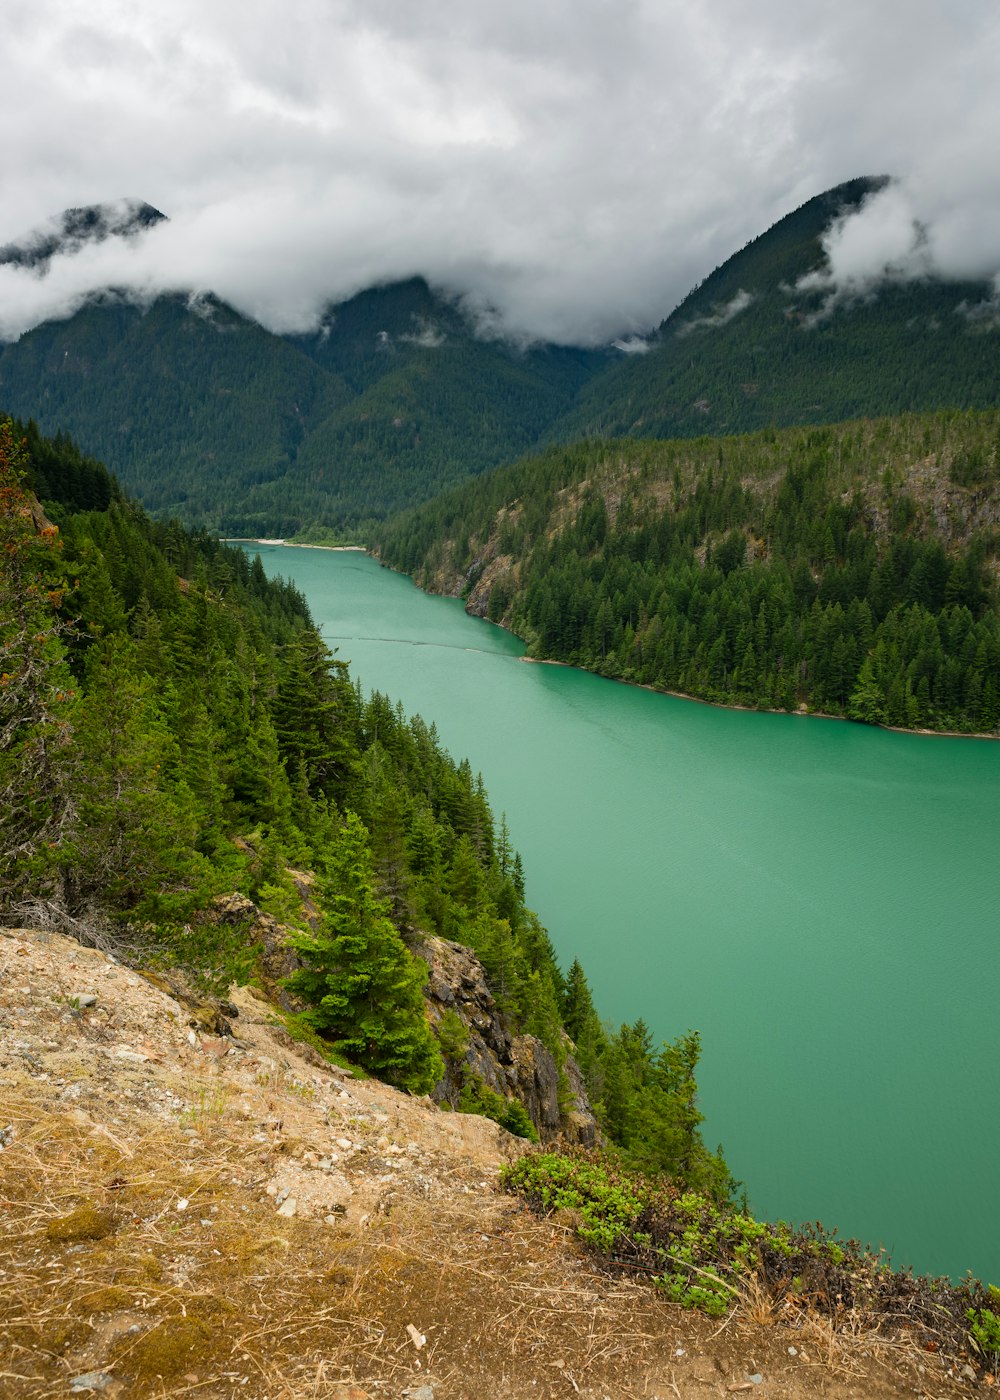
(362, 986)
(37, 694)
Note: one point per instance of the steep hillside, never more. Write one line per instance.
(848, 569)
(210, 418)
(748, 348)
(196, 409)
(174, 730)
(434, 404)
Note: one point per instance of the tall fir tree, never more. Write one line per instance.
(362, 986)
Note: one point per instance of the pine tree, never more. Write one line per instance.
(134, 847)
(362, 986)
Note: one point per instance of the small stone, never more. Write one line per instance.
(345, 1144)
(288, 1207)
(756, 1379)
(182, 1204)
(417, 1338)
(968, 1372)
(133, 1056)
(793, 1351)
(83, 1000)
(91, 1380)
(421, 1392)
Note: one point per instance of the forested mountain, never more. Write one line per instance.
(173, 729)
(849, 569)
(192, 405)
(748, 348)
(434, 403)
(210, 418)
(398, 395)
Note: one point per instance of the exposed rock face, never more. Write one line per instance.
(516, 1067)
(278, 960)
(513, 1066)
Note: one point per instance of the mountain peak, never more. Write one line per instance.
(75, 229)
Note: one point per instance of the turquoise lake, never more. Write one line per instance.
(819, 899)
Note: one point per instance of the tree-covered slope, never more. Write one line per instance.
(748, 348)
(401, 393)
(848, 569)
(192, 405)
(172, 729)
(209, 417)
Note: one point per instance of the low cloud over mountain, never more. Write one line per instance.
(571, 169)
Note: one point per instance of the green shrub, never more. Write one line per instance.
(477, 1097)
(985, 1325)
(695, 1247)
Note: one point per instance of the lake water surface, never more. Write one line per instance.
(819, 899)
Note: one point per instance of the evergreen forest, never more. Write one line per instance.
(173, 729)
(209, 418)
(403, 391)
(763, 342)
(848, 569)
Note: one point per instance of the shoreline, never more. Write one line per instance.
(800, 713)
(291, 544)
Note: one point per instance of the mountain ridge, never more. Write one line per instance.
(397, 394)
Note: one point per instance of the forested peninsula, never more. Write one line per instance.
(847, 570)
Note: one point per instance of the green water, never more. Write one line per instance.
(819, 899)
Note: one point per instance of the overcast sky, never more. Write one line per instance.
(577, 164)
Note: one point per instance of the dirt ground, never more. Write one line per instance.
(185, 1213)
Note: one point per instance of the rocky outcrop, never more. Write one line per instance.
(514, 1066)
(277, 959)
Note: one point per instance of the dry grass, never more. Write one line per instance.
(138, 1239)
(101, 1271)
(251, 1304)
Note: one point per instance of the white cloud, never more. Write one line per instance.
(633, 345)
(574, 166)
(721, 316)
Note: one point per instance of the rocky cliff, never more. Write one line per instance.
(513, 1066)
(193, 1213)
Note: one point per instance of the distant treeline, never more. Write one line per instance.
(848, 569)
